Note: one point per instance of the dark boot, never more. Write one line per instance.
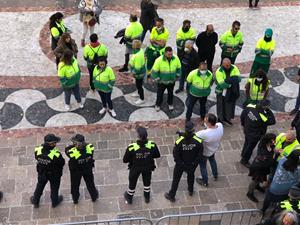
(128, 198)
(256, 3)
(1, 196)
(147, 197)
(95, 197)
(252, 197)
(34, 202)
(167, 196)
(250, 4)
(125, 67)
(60, 199)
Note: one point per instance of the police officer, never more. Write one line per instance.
(81, 164)
(140, 156)
(50, 165)
(255, 119)
(187, 153)
(292, 203)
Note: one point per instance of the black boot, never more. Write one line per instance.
(260, 189)
(252, 197)
(1, 196)
(128, 198)
(34, 202)
(250, 4)
(147, 197)
(59, 200)
(256, 3)
(95, 197)
(125, 67)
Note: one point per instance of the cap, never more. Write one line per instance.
(189, 126)
(78, 138)
(294, 193)
(51, 138)
(268, 32)
(265, 103)
(142, 133)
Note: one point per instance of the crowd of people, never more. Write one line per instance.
(275, 168)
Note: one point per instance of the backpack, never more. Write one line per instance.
(96, 56)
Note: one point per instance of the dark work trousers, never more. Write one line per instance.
(43, 179)
(106, 99)
(232, 59)
(68, 93)
(144, 33)
(134, 174)
(191, 100)
(88, 177)
(248, 147)
(270, 198)
(177, 173)
(208, 57)
(180, 53)
(225, 109)
(91, 69)
(184, 73)
(160, 93)
(139, 86)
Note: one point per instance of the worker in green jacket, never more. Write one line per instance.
(165, 71)
(133, 31)
(138, 69)
(231, 42)
(159, 37)
(199, 88)
(104, 81)
(263, 51)
(184, 33)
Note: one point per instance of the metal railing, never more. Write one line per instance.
(235, 217)
(125, 221)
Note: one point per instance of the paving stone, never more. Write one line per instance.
(116, 144)
(109, 191)
(111, 177)
(208, 197)
(99, 177)
(160, 186)
(108, 205)
(233, 206)
(239, 180)
(186, 210)
(107, 154)
(164, 150)
(168, 140)
(160, 173)
(231, 194)
(237, 145)
(77, 219)
(43, 212)
(231, 156)
(102, 144)
(8, 186)
(156, 213)
(63, 210)
(222, 182)
(154, 199)
(6, 151)
(136, 204)
(109, 136)
(171, 211)
(83, 208)
(202, 208)
(162, 161)
(25, 161)
(92, 218)
(20, 213)
(4, 212)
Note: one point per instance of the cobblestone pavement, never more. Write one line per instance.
(18, 179)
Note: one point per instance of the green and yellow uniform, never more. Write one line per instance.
(133, 31)
(199, 84)
(182, 37)
(221, 76)
(287, 149)
(104, 80)
(56, 32)
(235, 42)
(137, 64)
(69, 75)
(90, 53)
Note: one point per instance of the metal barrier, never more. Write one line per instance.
(236, 217)
(125, 221)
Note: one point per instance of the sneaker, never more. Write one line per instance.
(171, 107)
(102, 111)
(82, 42)
(128, 198)
(113, 113)
(201, 182)
(123, 69)
(60, 199)
(178, 91)
(157, 108)
(81, 105)
(67, 107)
(260, 189)
(35, 205)
(252, 197)
(135, 95)
(139, 102)
(294, 111)
(167, 196)
(246, 164)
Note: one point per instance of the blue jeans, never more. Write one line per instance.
(68, 93)
(213, 165)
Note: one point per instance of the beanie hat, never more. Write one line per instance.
(142, 133)
(268, 32)
(78, 138)
(189, 126)
(51, 138)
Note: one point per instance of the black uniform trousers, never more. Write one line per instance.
(91, 70)
(139, 87)
(191, 101)
(177, 173)
(249, 145)
(88, 177)
(134, 174)
(225, 109)
(43, 178)
(160, 93)
(208, 57)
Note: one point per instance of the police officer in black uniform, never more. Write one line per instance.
(255, 119)
(187, 153)
(81, 164)
(50, 165)
(140, 156)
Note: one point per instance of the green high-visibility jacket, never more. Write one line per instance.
(89, 52)
(182, 37)
(256, 91)
(69, 75)
(221, 76)
(137, 64)
(264, 51)
(56, 32)
(104, 80)
(280, 139)
(156, 35)
(227, 41)
(132, 32)
(199, 84)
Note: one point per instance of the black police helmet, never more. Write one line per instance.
(78, 138)
(51, 138)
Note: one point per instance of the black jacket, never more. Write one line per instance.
(141, 155)
(252, 121)
(262, 162)
(148, 15)
(233, 93)
(188, 150)
(296, 124)
(206, 44)
(190, 61)
(83, 160)
(47, 162)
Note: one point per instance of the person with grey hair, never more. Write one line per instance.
(283, 218)
(189, 61)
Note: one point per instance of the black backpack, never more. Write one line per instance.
(96, 56)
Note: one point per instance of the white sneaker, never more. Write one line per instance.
(139, 102)
(135, 95)
(171, 107)
(67, 107)
(102, 111)
(157, 108)
(113, 113)
(81, 105)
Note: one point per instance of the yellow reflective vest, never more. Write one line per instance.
(280, 139)
(256, 91)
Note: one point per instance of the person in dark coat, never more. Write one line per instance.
(261, 165)
(255, 119)
(65, 43)
(148, 16)
(206, 42)
(190, 61)
(296, 124)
